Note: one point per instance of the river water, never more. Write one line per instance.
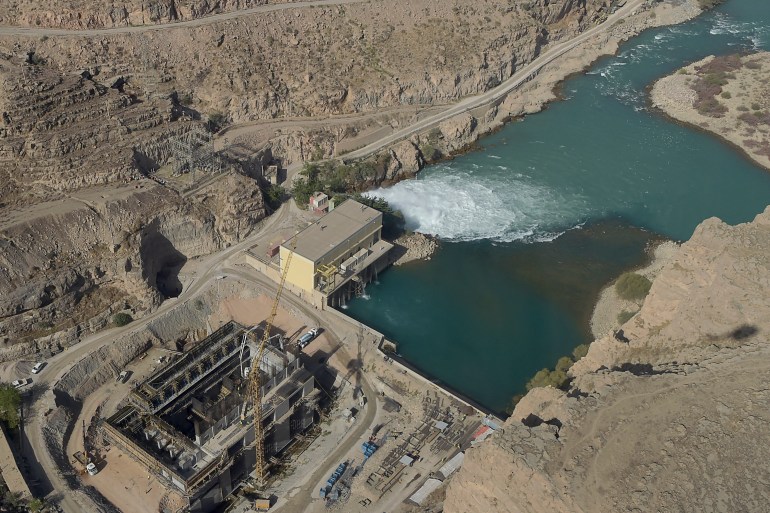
(554, 207)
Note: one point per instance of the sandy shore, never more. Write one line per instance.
(609, 305)
(739, 115)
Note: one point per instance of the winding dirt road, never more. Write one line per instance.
(499, 92)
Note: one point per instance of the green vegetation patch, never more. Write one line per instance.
(335, 178)
(625, 316)
(580, 351)
(548, 378)
(10, 400)
(274, 196)
(632, 286)
(121, 319)
(556, 377)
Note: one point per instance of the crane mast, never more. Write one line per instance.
(255, 380)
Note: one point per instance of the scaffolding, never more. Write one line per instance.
(327, 274)
(194, 151)
(165, 386)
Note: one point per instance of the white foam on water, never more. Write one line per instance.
(494, 157)
(460, 206)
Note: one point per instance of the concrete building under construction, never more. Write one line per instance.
(190, 422)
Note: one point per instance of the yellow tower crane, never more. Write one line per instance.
(255, 381)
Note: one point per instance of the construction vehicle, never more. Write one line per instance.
(262, 504)
(255, 381)
(308, 337)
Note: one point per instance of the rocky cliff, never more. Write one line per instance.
(109, 248)
(674, 420)
(83, 231)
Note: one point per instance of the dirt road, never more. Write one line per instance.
(500, 91)
(198, 22)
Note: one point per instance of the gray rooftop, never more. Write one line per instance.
(332, 229)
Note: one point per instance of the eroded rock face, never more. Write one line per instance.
(405, 161)
(675, 420)
(83, 232)
(321, 61)
(237, 205)
(56, 267)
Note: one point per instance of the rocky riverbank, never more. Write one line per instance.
(460, 133)
(610, 305)
(644, 421)
(726, 96)
(414, 246)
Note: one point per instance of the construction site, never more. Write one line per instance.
(189, 423)
(250, 391)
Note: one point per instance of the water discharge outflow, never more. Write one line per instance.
(489, 202)
(496, 305)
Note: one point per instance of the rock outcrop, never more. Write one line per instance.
(674, 420)
(405, 161)
(413, 246)
(109, 248)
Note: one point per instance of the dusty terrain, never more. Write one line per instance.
(674, 420)
(727, 96)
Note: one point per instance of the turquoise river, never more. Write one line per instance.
(554, 207)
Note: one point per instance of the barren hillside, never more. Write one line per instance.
(102, 13)
(324, 60)
(674, 420)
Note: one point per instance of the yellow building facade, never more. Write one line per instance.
(335, 239)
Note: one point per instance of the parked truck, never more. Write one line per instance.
(308, 337)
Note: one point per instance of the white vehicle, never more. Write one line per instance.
(38, 367)
(91, 469)
(123, 376)
(21, 382)
(308, 337)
